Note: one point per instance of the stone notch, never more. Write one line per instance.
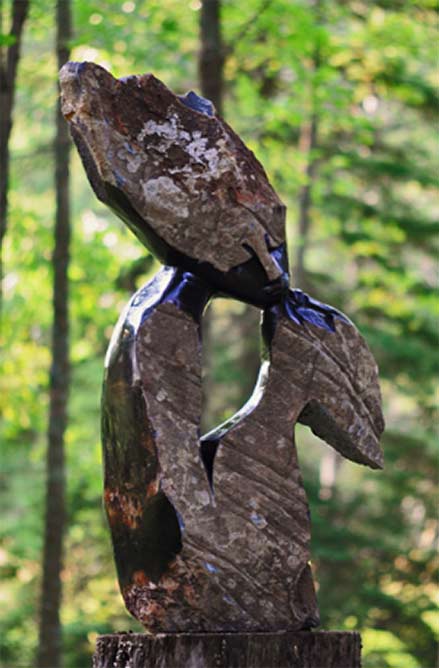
(185, 174)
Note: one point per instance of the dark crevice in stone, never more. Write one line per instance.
(208, 450)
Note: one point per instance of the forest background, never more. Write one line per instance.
(337, 99)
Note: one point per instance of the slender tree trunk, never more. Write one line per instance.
(211, 69)
(330, 465)
(250, 357)
(210, 75)
(9, 57)
(331, 461)
(49, 650)
(307, 144)
(211, 60)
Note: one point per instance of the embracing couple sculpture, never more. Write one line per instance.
(210, 533)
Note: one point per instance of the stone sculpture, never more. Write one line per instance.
(212, 533)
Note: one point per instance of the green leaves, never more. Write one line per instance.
(7, 40)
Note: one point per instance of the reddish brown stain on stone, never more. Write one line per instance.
(152, 488)
(148, 444)
(119, 125)
(140, 578)
(169, 584)
(190, 595)
(123, 508)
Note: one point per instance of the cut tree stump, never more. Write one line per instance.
(324, 649)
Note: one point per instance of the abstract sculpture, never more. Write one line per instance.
(211, 533)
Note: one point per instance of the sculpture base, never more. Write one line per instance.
(307, 649)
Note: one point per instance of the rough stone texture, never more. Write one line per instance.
(234, 650)
(339, 378)
(187, 174)
(223, 546)
(212, 534)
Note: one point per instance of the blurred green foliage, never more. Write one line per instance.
(371, 252)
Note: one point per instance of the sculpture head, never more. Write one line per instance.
(180, 178)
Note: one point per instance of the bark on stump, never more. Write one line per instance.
(324, 649)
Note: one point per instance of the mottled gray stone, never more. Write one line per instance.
(186, 173)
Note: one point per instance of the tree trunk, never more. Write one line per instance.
(331, 461)
(211, 67)
(230, 650)
(330, 465)
(9, 57)
(210, 74)
(49, 650)
(211, 59)
(307, 144)
(249, 362)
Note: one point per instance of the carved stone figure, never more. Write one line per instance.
(211, 533)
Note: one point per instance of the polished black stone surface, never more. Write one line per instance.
(146, 530)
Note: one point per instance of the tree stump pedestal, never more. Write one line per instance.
(322, 649)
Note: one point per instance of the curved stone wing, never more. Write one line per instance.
(338, 377)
